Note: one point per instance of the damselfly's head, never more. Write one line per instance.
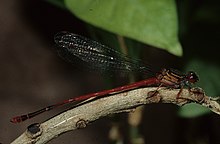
(192, 77)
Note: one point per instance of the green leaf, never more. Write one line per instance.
(193, 110)
(148, 21)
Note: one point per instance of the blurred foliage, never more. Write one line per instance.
(156, 23)
(59, 3)
(199, 33)
(193, 110)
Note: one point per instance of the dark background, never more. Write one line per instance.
(33, 76)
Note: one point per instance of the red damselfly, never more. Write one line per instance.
(71, 45)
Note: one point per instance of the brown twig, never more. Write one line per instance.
(87, 113)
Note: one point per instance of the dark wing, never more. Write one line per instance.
(98, 56)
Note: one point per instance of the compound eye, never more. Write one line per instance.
(192, 77)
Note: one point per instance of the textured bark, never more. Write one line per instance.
(88, 112)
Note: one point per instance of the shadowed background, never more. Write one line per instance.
(33, 76)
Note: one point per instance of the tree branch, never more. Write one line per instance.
(82, 115)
